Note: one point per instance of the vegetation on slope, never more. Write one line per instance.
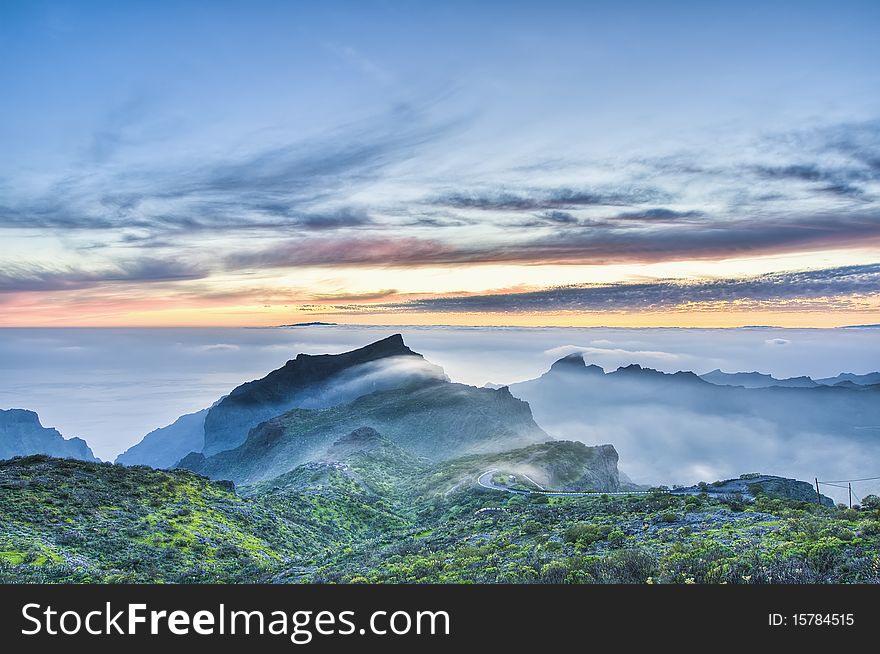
(381, 515)
(65, 520)
(490, 537)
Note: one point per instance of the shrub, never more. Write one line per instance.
(735, 502)
(624, 566)
(554, 572)
(703, 563)
(586, 533)
(531, 527)
(616, 538)
(871, 502)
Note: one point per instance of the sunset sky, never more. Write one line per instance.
(391, 162)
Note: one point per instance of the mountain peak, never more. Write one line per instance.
(22, 434)
(573, 360)
(634, 368)
(308, 381)
(360, 436)
(20, 417)
(390, 346)
(575, 363)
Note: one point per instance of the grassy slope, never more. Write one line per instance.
(636, 539)
(65, 520)
(377, 517)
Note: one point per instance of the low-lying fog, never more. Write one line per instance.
(112, 386)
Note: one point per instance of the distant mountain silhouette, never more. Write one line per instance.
(21, 434)
(755, 380)
(761, 380)
(164, 447)
(575, 363)
(862, 380)
(676, 427)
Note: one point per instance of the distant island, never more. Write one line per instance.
(310, 324)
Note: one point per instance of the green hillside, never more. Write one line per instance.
(370, 511)
(65, 520)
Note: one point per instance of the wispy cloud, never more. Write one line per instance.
(299, 186)
(361, 196)
(551, 198)
(381, 294)
(577, 243)
(29, 278)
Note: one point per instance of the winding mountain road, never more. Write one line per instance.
(485, 480)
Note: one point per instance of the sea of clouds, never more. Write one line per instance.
(112, 386)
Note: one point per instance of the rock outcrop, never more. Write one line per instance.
(21, 434)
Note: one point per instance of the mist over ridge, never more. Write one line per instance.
(112, 386)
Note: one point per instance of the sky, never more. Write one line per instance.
(381, 162)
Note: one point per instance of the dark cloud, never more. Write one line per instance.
(858, 141)
(347, 251)
(558, 217)
(806, 173)
(355, 297)
(22, 278)
(664, 294)
(318, 221)
(847, 157)
(844, 190)
(550, 199)
(840, 181)
(703, 239)
(599, 243)
(659, 214)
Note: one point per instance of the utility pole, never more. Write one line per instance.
(818, 495)
(850, 493)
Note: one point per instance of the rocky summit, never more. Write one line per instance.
(22, 434)
(312, 381)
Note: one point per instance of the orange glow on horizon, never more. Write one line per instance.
(251, 316)
(313, 294)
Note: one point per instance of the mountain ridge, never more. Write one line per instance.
(22, 434)
(302, 381)
(433, 419)
(165, 446)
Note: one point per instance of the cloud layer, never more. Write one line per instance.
(829, 285)
(356, 198)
